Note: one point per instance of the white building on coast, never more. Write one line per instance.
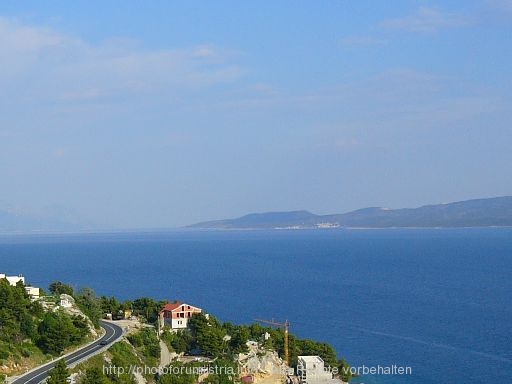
(13, 280)
(33, 292)
(312, 370)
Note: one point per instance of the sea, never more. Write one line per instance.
(435, 301)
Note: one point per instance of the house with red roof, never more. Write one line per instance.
(176, 315)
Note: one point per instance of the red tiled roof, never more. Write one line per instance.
(171, 306)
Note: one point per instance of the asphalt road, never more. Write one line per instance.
(112, 333)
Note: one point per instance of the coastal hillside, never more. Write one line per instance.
(208, 351)
(470, 213)
(35, 330)
(38, 328)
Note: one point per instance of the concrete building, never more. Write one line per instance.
(176, 315)
(13, 280)
(312, 370)
(33, 292)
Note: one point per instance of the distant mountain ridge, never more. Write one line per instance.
(487, 212)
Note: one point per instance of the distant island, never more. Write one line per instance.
(490, 212)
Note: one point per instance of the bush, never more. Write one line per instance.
(58, 331)
(344, 370)
(4, 354)
(185, 378)
(146, 341)
(208, 335)
(179, 342)
(57, 288)
(90, 305)
(225, 373)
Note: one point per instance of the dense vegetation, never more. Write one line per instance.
(144, 307)
(59, 374)
(138, 354)
(26, 329)
(29, 334)
(57, 288)
(18, 316)
(120, 355)
(58, 330)
(207, 336)
(147, 344)
(95, 307)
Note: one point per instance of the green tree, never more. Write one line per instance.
(127, 304)
(22, 320)
(14, 306)
(109, 305)
(208, 334)
(256, 331)
(184, 378)
(28, 326)
(59, 374)
(126, 377)
(225, 373)
(148, 308)
(90, 305)
(58, 287)
(58, 330)
(344, 370)
(181, 341)
(94, 375)
(310, 347)
(239, 337)
(147, 342)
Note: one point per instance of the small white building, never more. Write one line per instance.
(13, 280)
(312, 370)
(33, 292)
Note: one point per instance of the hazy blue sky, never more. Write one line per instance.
(167, 113)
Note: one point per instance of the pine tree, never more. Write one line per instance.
(94, 375)
(59, 374)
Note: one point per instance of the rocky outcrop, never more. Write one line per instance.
(263, 366)
(68, 305)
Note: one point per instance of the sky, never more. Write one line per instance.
(164, 113)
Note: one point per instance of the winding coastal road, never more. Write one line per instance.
(112, 333)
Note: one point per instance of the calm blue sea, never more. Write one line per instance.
(438, 301)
